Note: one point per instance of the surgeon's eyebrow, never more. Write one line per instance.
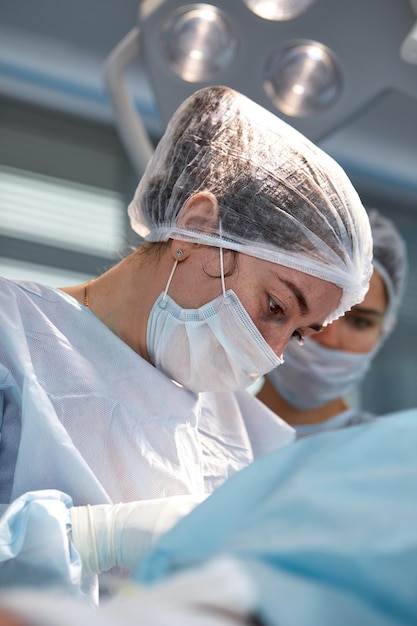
(365, 311)
(302, 302)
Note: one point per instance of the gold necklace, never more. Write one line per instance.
(86, 286)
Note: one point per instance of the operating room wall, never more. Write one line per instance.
(48, 161)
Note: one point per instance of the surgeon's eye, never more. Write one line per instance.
(360, 322)
(275, 308)
(298, 336)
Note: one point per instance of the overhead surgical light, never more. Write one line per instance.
(278, 9)
(198, 42)
(258, 47)
(302, 78)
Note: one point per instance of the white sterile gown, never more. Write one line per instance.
(81, 413)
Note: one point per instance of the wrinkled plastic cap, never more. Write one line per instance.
(390, 259)
(280, 197)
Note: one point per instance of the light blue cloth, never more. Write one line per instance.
(327, 528)
(36, 548)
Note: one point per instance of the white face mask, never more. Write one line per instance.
(313, 375)
(214, 348)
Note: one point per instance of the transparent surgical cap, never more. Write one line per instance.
(280, 197)
(390, 259)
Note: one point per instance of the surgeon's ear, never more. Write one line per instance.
(200, 213)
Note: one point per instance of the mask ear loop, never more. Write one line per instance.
(221, 267)
(221, 259)
(169, 279)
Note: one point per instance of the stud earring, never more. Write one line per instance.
(179, 254)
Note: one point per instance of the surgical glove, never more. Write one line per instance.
(105, 535)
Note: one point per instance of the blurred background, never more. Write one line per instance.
(87, 86)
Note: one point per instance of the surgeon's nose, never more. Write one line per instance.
(330, 336)
(279, 345)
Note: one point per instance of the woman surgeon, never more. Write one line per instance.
(132, 388)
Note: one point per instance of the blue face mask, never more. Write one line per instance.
(313, 375)
(214, 348)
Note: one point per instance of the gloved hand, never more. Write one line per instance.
(106, 535)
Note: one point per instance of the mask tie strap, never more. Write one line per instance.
(169, 279)
(221, 259)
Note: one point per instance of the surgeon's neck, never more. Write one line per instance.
(123, 296)
(295, 417)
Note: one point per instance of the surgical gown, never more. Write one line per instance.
(89, 421)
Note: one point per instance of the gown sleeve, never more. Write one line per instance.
(36, 547)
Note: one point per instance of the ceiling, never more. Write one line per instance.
(52, 54)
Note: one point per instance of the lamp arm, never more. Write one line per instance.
(129, 123)
(409, 46)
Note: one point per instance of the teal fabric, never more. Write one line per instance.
(327, 528)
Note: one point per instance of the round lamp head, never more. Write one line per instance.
(302, 78)
(198, 42)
